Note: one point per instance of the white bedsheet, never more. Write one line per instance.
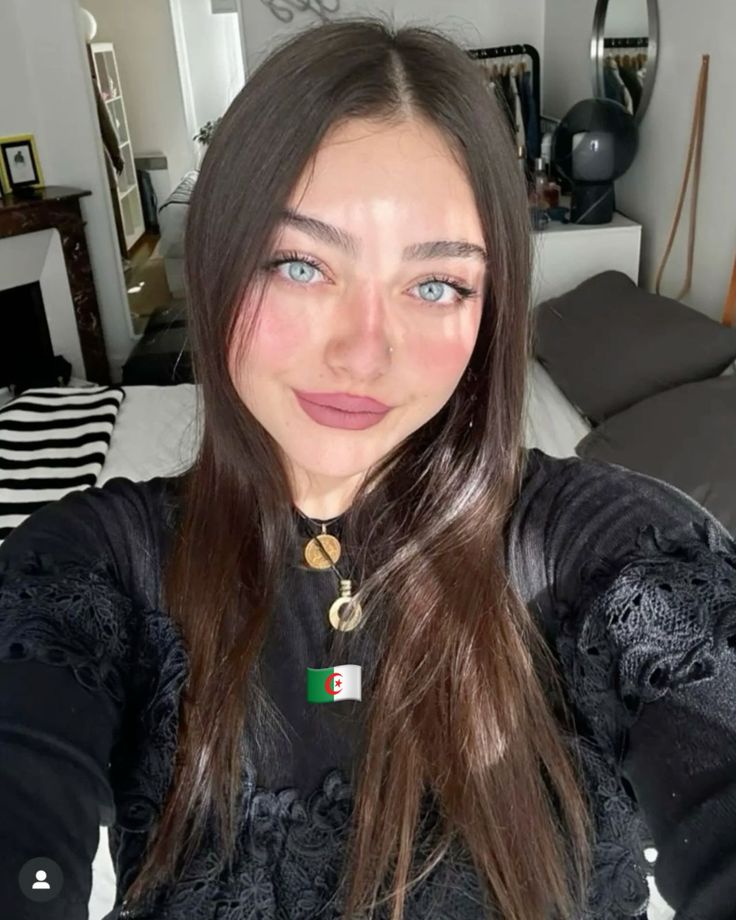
(551, 422)
(156, 433)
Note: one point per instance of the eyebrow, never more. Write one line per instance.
(334, 236)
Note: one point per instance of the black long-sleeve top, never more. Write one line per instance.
(633, 584)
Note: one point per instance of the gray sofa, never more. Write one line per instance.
(172, 217)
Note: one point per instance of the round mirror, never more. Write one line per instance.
(624, 52)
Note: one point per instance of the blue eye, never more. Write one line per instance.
(433, 289)
(299, 270)
(437, 288)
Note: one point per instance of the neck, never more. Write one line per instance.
(319, 511)
(322, 498)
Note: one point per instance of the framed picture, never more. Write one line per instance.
(20, 166)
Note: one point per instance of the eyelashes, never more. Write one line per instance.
(463, 291)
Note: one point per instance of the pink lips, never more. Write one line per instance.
(339, 418)
(344, 402)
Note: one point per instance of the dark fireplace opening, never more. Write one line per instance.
(26, 352)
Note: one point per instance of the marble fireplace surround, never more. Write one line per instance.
(42, 239)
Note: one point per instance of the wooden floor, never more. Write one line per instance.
(145, 281)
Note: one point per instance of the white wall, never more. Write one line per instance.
(474, 23)
(143, 35)
(649, 191)
(48, 92)
(214, 56)
(17, 115)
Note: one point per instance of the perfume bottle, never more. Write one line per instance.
(547, 189)
(540, 182)
(521, 163)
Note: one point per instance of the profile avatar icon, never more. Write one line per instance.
(40, 880)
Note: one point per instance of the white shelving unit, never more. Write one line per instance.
(129, 196)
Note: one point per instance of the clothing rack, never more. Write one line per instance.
(500, 51)
(626, 42)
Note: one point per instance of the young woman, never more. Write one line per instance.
(529, 663)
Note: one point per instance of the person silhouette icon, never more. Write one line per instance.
(41, 880)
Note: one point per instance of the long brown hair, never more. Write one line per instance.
(463, 688)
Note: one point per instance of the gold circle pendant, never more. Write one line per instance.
(349, 622)
(316, 557)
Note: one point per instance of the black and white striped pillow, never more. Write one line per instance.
(53, 440)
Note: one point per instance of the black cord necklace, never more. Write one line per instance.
(321, 552)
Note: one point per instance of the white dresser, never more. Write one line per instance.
(566, 254)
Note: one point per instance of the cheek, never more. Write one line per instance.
(277, 341)
(438, 365)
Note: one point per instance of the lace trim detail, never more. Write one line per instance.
(656, 618)
(65, 614)
(289, 861)
(142, 768)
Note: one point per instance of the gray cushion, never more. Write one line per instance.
(608, 344)
(685, 436)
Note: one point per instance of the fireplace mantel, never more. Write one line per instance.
(57, 207)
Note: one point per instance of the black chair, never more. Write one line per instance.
(162, 356)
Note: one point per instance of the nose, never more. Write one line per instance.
(360, 340)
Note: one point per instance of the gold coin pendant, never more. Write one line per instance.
(315, 556)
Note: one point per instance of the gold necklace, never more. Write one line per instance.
(322, 552)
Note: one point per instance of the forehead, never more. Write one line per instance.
(370, 171)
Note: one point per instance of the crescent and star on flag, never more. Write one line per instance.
(336, 685)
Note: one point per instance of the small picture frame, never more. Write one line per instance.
(20, 167)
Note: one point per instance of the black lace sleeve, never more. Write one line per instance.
(66, 614)
(81, 620)
(69, 630)
(648, 647)
(77, 579)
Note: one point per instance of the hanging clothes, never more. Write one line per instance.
(631, 80)
(624, 71)
(510, 97)
(533, 134)
(497, 82)
(513, 75)
(519, 130)
(523, 98)
(617, 86)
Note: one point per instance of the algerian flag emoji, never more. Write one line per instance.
(329, 685)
